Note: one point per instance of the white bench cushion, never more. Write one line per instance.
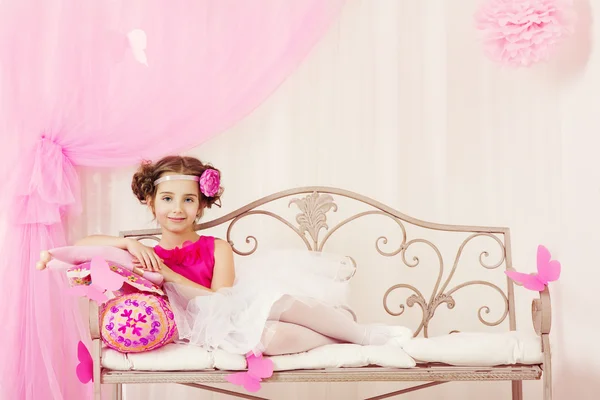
(478, 349)
(180, 357)
(461, 349)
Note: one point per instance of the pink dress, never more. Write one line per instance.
(195, 261)
(234, 318)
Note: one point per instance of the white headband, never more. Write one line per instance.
(209, 182)
(177, 177)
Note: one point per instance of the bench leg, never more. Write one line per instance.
(547, 374)
(97, 391)
(119, 391)
(97, 354)
(547, 377)
(517, 390)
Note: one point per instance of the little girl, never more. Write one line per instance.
(285, 302)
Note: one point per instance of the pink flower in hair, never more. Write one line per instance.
(210, 182)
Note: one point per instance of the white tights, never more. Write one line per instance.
(303, 327)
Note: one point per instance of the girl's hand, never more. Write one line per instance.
(144, 256)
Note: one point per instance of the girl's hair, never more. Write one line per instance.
(142, 183)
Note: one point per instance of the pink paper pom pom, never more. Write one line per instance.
(523, 32)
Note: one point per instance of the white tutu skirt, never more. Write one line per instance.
(234, 319)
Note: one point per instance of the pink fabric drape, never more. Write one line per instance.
(73, 92)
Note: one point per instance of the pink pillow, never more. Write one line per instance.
(80, 275)
(70, 256)
(137, 322)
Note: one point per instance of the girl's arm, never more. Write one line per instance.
(224, 271)
(144, 254)
(103, 240)
(174, 277)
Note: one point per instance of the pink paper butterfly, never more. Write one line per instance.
(85, 368)
(548, 271)
(103, 279)
(258, 369)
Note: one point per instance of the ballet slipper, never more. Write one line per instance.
(45, 258)
(394, 335)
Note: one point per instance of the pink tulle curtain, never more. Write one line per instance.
(76, 89)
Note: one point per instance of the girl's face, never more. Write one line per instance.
(177, 204)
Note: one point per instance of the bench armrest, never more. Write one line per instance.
(541, 312)
(94, 320)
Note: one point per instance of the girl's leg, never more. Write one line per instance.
(337, 325)
(290, 338)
